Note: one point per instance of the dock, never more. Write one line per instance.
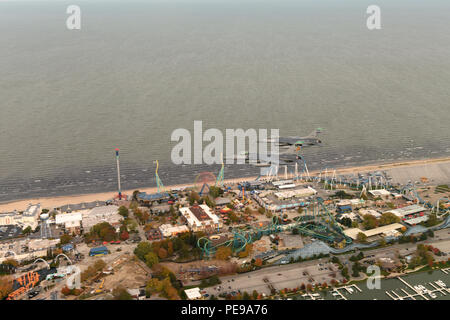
(346, 288)
(437, 287)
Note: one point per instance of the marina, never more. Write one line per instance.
(418, 286)
(350, 289)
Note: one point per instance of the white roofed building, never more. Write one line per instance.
(168, 230)
(70, 221)
(384, 231)
(193, 294)
(200, 218)
(28, 218)
(97, 215)
(363, 212)
(409, 212)
(382, 193)
(298, 193)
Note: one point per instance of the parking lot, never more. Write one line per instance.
(9, 232)
(288, 276)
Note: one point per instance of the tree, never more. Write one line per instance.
(154, 285)
(162, 253)
(123, 211)
(246, 252)
(344, 272)
(223, 253)
(361, 237)
(65, 239)
(346, 222)
(432, 220)
(215, 191)
(342, 195)
(101, 231)
(142, 249)
(27, 230)
(99, 265)
(370, 222)
(151, 259)
(66, 291)
(233, 217)
(142, 216)
(124, 235)
(6, 286)
(120, 293)
(210, 203)
(194, 197)
(170, 248)
(388, 218)
(355, 269)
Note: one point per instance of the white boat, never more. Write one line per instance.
(419, 289)
(432, 295)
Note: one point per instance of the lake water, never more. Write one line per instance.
(136, 71)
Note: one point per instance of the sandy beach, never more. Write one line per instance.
(54, 202)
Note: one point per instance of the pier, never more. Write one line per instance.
(312, 296)
(346, 288)
(419, 291)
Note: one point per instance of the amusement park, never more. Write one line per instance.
(217, 227)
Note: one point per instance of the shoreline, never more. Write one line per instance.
(52, 202)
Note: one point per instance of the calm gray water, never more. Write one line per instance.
(138, 70)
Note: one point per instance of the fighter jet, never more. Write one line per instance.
(310, 140)
(288, 155)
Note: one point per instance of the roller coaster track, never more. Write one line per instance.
(321, 224)
(410, 189)
(240, 238)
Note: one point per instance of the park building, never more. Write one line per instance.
(200, 218)
(363, 212)
(391, 230)
(380, 193)
(74, 221)
(297, 193)
(70, 221)
(193, 294)
(168, 230)
(28, 218)
(416, 212)
(98, 215)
